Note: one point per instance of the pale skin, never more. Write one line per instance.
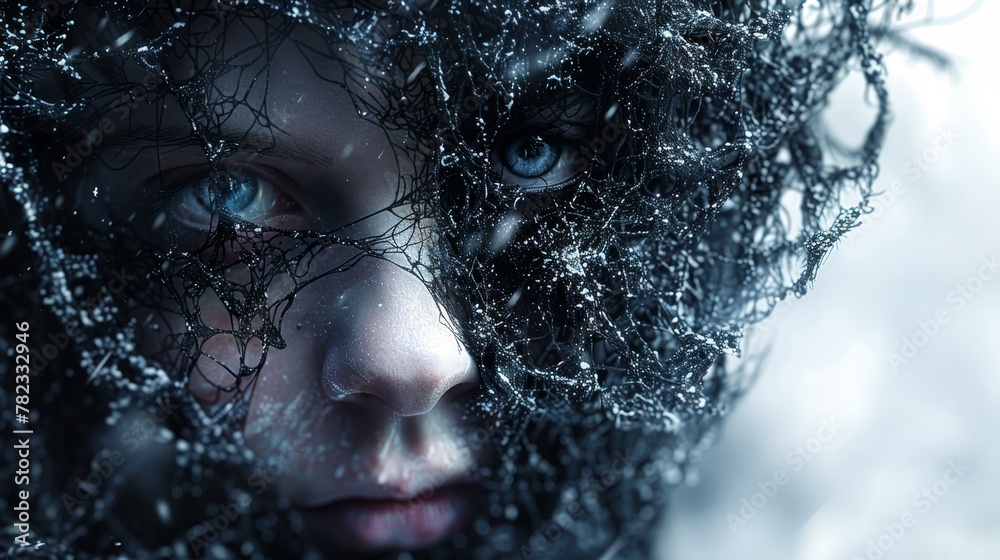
(371, 390)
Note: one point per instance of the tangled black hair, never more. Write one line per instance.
(603, 313)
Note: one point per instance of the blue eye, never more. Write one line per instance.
(530, 156)
(241, 196)
(536, 161)
(236, 197)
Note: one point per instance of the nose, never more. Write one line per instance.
(388, 343)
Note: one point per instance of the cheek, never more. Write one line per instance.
(216, 377)
(232, 319)
(288, 408)
(214, 363)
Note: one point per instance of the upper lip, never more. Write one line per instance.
(390, 472)
(399, 491)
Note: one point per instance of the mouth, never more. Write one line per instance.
(391, 523)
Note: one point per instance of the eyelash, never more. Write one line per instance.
(566, 149)
(172, 195)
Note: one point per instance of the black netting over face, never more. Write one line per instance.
(600, 195)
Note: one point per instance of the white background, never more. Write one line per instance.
(829, 354)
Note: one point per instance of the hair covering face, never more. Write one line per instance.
(602, 306)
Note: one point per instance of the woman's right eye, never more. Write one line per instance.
(531, 155)
(241, 196)
(533, 160)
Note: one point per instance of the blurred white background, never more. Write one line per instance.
(904, 422)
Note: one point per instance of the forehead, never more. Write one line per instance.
(243, 70)
(258, 82)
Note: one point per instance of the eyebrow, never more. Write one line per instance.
(269, 142)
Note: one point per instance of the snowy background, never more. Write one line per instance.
(920, 431)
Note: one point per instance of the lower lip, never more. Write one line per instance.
(393, 524)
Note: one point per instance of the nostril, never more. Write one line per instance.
(411, 395)
(394, 346)
(340, 387)
(462, 384)
(367, 400)
(460, 388)
(459, 395)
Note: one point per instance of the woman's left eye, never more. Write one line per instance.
(241, 196)
(536, 161)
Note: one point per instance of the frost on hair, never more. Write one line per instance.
(601, 312)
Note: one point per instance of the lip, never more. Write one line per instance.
(393, 522)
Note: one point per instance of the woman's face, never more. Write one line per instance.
(345, 279)
(363, 413)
